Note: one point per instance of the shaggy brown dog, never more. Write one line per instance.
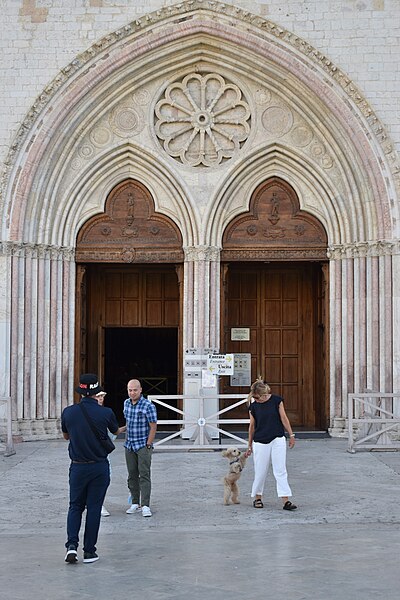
(237, 460)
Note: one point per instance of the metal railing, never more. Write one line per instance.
(374, 421)
(9, 445)
(201, 423)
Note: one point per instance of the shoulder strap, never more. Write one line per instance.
(88, 419)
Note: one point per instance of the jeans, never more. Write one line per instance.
(263, 454)
(139, 479)
(88, 483)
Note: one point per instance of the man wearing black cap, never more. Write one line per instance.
(89, 473)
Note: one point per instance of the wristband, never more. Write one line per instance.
(292, 435)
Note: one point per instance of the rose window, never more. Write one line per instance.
(203, 120)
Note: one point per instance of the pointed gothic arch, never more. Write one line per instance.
(80, 95)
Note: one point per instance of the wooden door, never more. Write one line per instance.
(121, 296)
(278, 304)
(80, 362)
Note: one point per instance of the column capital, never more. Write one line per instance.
(202, 253)
(363, 249)
(27, 249)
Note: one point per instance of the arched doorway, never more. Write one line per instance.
(275, 282)
(128, 296)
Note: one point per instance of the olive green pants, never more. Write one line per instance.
(138, 464)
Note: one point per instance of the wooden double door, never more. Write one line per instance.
(129, 327)
(283, 306)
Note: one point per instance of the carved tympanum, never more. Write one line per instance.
(274, 224)
(129, 230)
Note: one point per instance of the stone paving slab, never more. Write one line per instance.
(346, 528)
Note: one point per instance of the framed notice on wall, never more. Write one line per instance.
(241, 371)
(240, 334)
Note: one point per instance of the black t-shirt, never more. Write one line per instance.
(83, 444)
(268, 424)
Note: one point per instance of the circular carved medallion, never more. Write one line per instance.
(100, 136)
(277, 120)
(126, 121)
(202, 120)
(301, 136)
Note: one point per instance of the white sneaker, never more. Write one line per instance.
(146, 512)
(104, 512)
(133, 508)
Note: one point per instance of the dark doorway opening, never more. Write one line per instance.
(144, 353)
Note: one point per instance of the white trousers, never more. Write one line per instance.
(263, 455)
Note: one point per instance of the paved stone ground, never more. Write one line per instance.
(342, 543)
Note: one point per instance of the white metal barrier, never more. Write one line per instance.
(9, 445)
(202, 423)
(372, 417)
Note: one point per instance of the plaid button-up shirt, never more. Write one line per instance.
(138, 416)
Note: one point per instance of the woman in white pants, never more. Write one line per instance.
(267, 442)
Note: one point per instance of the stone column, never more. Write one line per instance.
(201, 312)
(5, 324)
(396, 328)
(362, 320)
(201, 303)
(42, 338)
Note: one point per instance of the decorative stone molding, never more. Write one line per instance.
(202, 253)
(23, 249)
(202, 120)
(363, 249)
(224, 11)
(280, 121)
(274, 254)
(129, 255)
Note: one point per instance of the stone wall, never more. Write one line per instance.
(38, 38)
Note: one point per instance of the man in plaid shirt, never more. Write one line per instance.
(141, 427)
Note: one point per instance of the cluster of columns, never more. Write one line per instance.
(37, 324)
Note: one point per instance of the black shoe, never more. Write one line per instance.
(89, 557)
(72, 555)
(289, 506)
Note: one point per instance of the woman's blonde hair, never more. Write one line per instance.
(258, 388)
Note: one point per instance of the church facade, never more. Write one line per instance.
(200, 177)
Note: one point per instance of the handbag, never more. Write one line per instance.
(107, 443)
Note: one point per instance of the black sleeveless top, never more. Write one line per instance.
(268, 424)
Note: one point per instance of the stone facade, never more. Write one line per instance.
(200, 101)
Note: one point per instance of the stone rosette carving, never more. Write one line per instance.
(128, 255)
(202, 119)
